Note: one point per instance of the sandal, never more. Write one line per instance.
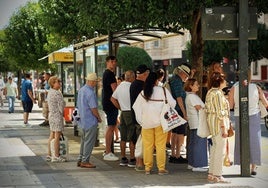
(220, 179)
(48, 158)
(211, 178)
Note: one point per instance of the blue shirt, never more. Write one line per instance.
(85, 101)
(26, 85)
(176, 86)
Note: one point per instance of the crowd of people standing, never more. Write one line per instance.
(136, 103)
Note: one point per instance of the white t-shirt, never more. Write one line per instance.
(253, 99)
(122, 94)
(191, 101)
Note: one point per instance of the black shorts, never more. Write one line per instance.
(27, 106)
(111, 117)
(180, 129)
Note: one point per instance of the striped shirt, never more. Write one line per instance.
(218, 110)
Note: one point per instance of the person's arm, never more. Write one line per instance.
(116, 103)
(30, 93)
(198, 107)
(113, 86)
(231, 98)
(95, 112)
(181, 105)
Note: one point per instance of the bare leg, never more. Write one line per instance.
(51, 136)
(57, 144)
(109, 138)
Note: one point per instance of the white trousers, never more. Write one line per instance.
(217, 152)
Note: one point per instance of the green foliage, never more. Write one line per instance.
(130, 57)
(25, 39)
(61, 17)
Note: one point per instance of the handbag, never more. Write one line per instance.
(262, 103)
(230, 130)
(226, 161)
(169, 117)
(264, 112)
(203, 130)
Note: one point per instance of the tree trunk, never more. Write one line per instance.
(197, 46)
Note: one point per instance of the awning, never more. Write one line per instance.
(62, 55)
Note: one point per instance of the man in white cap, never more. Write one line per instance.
(87, 105)
(180, 75)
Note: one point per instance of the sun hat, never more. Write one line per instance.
(185, 68)
(92, 77)
(142, 69)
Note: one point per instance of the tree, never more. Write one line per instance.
(169, 15)
(130, 57)
(62, 17)
(25, 39)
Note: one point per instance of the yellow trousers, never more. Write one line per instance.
(154, 138)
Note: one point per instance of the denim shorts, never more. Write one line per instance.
(27, 106)
(111, 117)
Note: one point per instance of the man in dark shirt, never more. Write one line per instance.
(109, 84)
(136, 87)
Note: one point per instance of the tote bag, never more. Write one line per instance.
(202, 130)
(64, 148)
(170, 119)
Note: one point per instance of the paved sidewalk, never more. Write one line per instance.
(22, 162)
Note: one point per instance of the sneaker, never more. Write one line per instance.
(198, 169)
(140, 168)
(123, 161)
(171, 159)
(48, 158)
(183, 149)
(189, 167)
(162, 172)
(26, 125)
(44, 124)
(132, 163)
(110, 157)
(58, 159)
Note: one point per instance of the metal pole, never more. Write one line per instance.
(243, 87)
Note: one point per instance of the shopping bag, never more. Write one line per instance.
(203, 130)
(64, 147)
(169, 117)
(139, 147)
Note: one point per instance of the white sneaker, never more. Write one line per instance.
(198, 169)
(189, 167)
(58, 159)
(110, 157)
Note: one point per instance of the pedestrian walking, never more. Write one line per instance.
(47, 75)
(11, 91)
(27, 98)
(2, 86)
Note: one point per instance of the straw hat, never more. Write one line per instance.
(185, 68)
(92, 77)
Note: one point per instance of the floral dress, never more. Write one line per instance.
(55, 106)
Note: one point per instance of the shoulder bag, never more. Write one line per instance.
(170, 118)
